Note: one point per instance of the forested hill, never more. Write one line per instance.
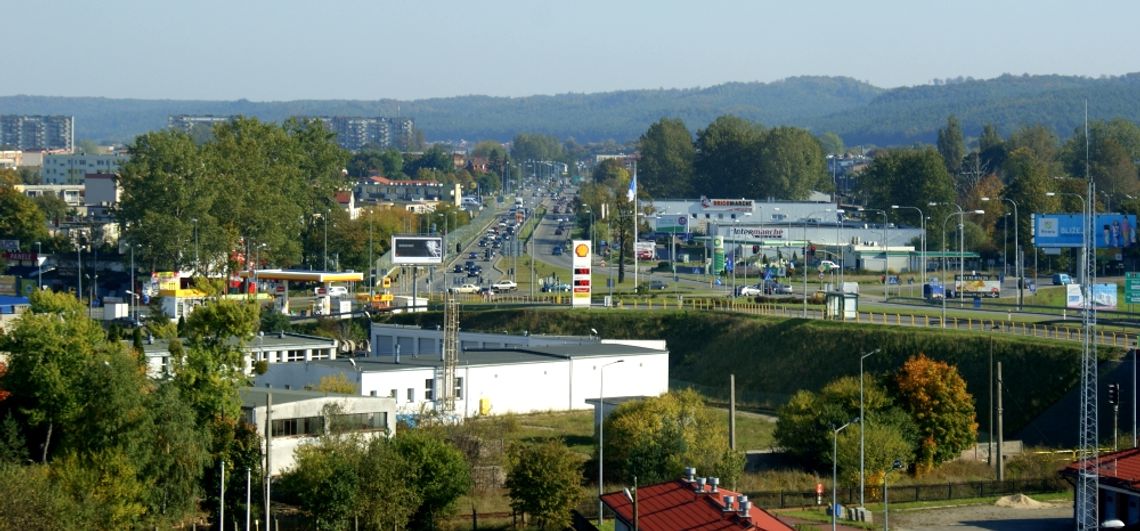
(860, 113)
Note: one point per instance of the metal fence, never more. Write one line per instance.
(911, 493)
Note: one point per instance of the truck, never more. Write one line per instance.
(977, 285)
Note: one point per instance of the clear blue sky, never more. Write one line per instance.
(370, 49)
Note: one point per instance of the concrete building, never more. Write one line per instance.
(494, 381)
(271, 348)
(357, 132)
(382, 189)
(72, 169)
(189, 124)
(101, 193)
(300, 417)
(37, 133)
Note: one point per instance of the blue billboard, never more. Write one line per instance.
(1111, 231)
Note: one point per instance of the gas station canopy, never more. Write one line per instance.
(303, 276)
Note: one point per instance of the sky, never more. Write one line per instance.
(274, 50)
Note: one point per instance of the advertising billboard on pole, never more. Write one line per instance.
(581, 254)
(417, 250)
(1111, 231)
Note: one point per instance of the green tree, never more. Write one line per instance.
(544, 481)
(912, 177)
(29, 499)
(831, 143)
(666, 164)
(53, 207)
(435, 158)
(439, 473)
(656, 438)
(951, 145)
(325, 481)
(791, 164)
(386, 499)
(1112, 149)
(1040, 142)
(991, 148)
(804, 423)
(20, 218)
(725, 162)
(935, 395)
(532, 146)
(883, 443)
(1028, 179)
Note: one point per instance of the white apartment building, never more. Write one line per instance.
(71, 169)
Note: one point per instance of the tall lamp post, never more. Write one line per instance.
(835, 468)
(961, 253)
(1016, 252)
(922, 224)
(805, 249)
(897, 465)
(602, 430)
(40, 268)
(886, 255)
(861, 424)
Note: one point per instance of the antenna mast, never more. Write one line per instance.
(1088, 482)
(450, 352)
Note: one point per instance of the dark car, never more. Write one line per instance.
(657, 285)
(473, 255)
(771, 287)
(457, 269)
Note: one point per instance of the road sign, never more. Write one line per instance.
(1132, 287)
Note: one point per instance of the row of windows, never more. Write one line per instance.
(429, 391)
(315, 426)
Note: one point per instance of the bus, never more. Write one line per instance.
(977, 285)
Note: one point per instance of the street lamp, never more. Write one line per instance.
(886, 255)
(862, 415)
(40, 268)
(325, 264)
(196, 266)
(897, 465)
(805, 249)
(922, 223)
(835, 468)
(1084, 235)
(602, 429)
(79, 270)
(1017, 269)
(961, 255)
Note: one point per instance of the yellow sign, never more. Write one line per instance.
(386, 282)
(582, 250)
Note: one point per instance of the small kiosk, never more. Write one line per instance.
(841, 306)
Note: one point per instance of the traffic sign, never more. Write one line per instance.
(1132, 287)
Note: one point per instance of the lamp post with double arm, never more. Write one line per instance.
(835, 468)
(961, 254)
(862, 415)
(922, 238)
(602, 430)
(1017, 269)
(805, 250)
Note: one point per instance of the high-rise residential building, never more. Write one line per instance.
(33, 133)
(73, 169)
(352, 132)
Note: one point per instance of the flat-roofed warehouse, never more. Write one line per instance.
(491, 381)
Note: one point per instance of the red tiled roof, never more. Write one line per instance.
(1120, 469)
(674, 505)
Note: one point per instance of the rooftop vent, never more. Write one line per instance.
(745, 506)
(713, 482)
(699, 486)
(728, 503)
(690, 472)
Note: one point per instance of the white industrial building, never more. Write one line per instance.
(417, 341)
(491, 381)
(275, 348)
(300, 417)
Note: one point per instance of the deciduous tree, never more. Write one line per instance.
(935, 395)
(544, 481)
(666, 164)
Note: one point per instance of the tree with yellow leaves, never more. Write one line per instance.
(935, 396)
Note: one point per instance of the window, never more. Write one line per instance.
(429, 389)
(305, 426)
(459, 388)
(376, 420)
(392, 394)
(411, 394)
(372, 393)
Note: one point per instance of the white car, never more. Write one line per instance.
(505, 285)
(466, 288)
(827, 265)
(750, 291)
(332, 291)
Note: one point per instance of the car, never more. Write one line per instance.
(557, 251)
(827, 265)
(750, 291)
(457, 269)
(1062, 279)
(557, 232)
(556, 287)
(473, 255)
(505, 285)
(771, 287)
(465, 288)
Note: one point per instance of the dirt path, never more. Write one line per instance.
(1051, 516)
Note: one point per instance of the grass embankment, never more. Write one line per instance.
(773, 358)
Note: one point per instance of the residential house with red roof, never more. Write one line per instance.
(690, 503)
(1118, 497)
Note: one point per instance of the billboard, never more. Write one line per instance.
(581, 254)
(1110, 231)
(1103, 296)
(417, 250)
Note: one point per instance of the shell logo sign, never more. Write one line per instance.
(580, 273)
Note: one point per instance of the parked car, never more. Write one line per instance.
(556, 287)
(557, 251)
(457, 269)
(505, 285)
(466, 288)
(1062, 279)
(827, 265)
(332, 291)
(654, 285)
(473, 255)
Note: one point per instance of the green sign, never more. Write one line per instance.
(1132, 288)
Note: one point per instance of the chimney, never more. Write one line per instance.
(728, 503)
(281, 334)
(713, 482)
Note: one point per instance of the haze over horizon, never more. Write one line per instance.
(265, 50)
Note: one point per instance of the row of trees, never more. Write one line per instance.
(89, 441)
(732, 157)
(921, 414)
(1021, 167)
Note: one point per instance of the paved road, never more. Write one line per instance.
(986, 518)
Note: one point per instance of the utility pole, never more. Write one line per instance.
(732, 411)
(1001, 438)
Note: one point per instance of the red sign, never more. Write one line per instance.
(20, 256)
(582, 290)
(279, 289)
(818, 489)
